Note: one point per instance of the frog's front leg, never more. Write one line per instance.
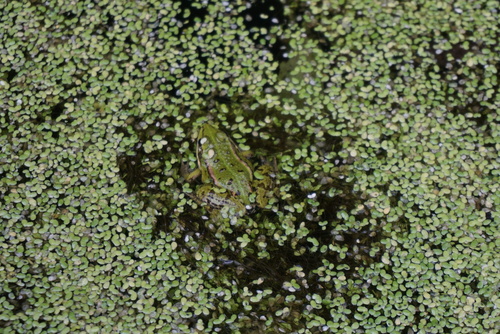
(193, 175)
(189, 177)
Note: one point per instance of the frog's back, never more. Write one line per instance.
(223, 162)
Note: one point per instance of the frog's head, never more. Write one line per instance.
(207, 130)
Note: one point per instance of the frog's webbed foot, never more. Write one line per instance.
(263, 184)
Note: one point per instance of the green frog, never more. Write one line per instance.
(229, 180)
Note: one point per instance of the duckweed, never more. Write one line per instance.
(380, 120)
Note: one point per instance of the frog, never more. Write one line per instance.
(229, 179)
